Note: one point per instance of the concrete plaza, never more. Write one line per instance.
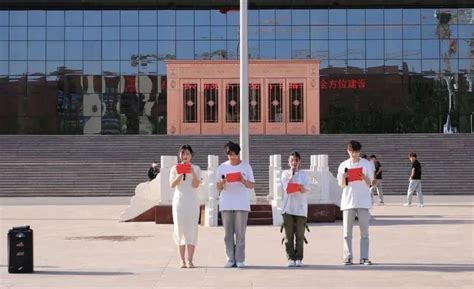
(79, 243)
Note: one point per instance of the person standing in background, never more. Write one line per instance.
(415, 181)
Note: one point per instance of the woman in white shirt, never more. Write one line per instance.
(185, 204)
(234, 179)
(295, 209)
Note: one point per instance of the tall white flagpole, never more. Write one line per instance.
(244, 84)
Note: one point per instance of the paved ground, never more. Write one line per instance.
(80, 244)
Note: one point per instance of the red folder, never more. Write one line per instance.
(292, 188)
(183, 168)
(354, 174)
(233, 177)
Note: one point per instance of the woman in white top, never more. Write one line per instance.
(354, 176)
(295, 209)
(234, 179)
(185, 205)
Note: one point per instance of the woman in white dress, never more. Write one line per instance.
(185, 204)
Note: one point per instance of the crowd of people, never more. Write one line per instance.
(359, 176)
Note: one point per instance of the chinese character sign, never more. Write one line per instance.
(342, 83)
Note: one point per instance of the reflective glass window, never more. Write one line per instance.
(466, 66)
(449, 48)
(356, 49)
(92, 67)
(111, 67)
(4, 18)
(73, 33)
(300, 17)
(218, 50)
(18, 67)
(465, 49)
(148, 33)
(202, 17)
(375, 49)
(282, 17)
(300, 49)
(412, 31)
(300, 32)
(185, 32)
(202, 32)
(184, 17)
(148, 49)
(3, 50)
(92, 18)
(167, 49)
(184, 49)
(374, 32)
(465, 31)
(373, 16)
(319, 17)
(3, 33)
(356, 16)
(411, 49)
(36, 33)
(337, 32)
(110, 18)
(356, 32)
(18, 50)
(202, 50)
(430, 48)
(253, 32)
(338, 63)
(92, 33)
(252, 17)
(232, 49)
(411, 16)
(73, 67)
(129, 18)
(267, 49)
(337, 16)
(218, 18)
(92, 50)
(166, 32)
(393, 16)
(73, 50)
(413, 65)
(430, 65)
(319, 49)
(375, 66)
(55, 33)
(393, 66)
(232, 32)
(253, 49)
(429, 32)
(18, 33)
(428, 16)
(55, 50)
(128, 49)
(267, 32)
(129, 33)
(127, 68)
(36, 18)
(283, 32)
(53, 67)
(233, 17)
(18, 18)
(218, 32)
(449, 65)
(465, 15)
(337, 49)
(73, 18)
(148, 67)
(267, 17)
(356, 66)
(320, 32)
(110, 50)
(166, 17)
(36, 50)
(110, 33)
(147, 18)
(393, 32)
(393, 49)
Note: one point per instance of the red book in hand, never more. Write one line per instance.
(292, 188)
(183, 168)
(354, 174)
(233, 177)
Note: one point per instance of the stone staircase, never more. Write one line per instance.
(103, 165)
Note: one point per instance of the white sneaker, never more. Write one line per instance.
(407, 205)
(229, 264)
(291, 263)
(299, 263)
(240, 264)
(420, 205)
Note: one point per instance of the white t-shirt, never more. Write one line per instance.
(356, 194)
(295, 203)
(235, 196)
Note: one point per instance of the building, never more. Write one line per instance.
(99, 66)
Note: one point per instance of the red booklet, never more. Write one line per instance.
(183, 168)
(354, 174)
(233, 177)
(292, 188)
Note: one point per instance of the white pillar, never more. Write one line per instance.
(212, 204)
(244, 84)
(166, 193)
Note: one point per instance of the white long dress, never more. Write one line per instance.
(185, 208)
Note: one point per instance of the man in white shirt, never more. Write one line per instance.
(234, 178)
(355, 175)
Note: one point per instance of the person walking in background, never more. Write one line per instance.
(354, 176)
(377, 183)
(415, 181)
(234, 178)
(153, 171)
(294, 209)
(185, 178)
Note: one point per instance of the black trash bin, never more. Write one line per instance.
(20, 250)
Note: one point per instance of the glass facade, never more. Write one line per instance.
(103, 72)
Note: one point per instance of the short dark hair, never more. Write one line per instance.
(412, 155)
(186, 147)
(372, 157)
(296, 155)
(231, 147)
(354, 145)
(364, 156)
